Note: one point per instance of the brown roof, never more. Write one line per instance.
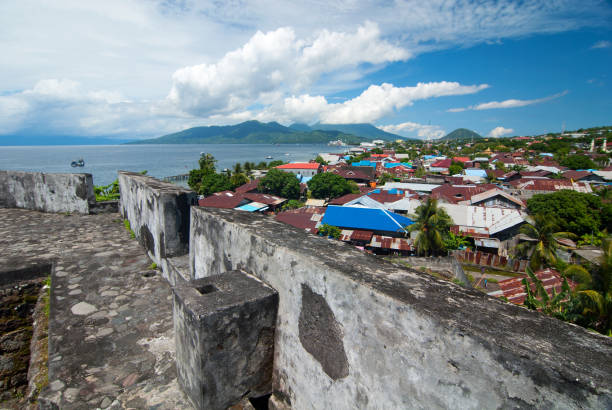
(303, 218)
(344, 199)
(576, 175)
(514, 290)
(550, 185)
(264, 198)
(248, 187)
(459, 193)
(386, 242)
(225, 199)
(351, 174)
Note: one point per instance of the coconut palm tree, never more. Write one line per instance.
(544, 242)
(433, 225)
(597, 301)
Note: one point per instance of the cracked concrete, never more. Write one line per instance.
(111, 335)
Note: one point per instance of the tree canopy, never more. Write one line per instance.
(280, 183)
(578, 162)
(573, 211)
(329, 185)
(433, 226)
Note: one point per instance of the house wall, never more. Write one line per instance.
(355, 332)
(46, 192)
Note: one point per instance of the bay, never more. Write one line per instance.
(103, 161)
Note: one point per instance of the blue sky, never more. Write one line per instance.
(145, 68)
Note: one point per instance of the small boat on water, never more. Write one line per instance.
(269, 157)
(78, 163)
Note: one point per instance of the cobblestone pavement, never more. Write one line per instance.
(111, 339)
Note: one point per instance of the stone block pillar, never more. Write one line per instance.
(224, 331)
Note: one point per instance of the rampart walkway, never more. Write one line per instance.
(111, 337)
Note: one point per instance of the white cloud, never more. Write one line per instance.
(408, 129)
(512, 103)
(380, 100)
(602, 44)
(500, 131)
(272, 62)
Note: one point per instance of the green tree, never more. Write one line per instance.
(330, 230)
(320, 160)
(454, 169)
(213, 182)
(328, 185)
(207, 162)
(542, 248)
(237, 168)
(384, 178)
(292, 204)
(578, 162)
(237, 180)
(452, 241)
(280, 183)
(573, 211)
(433, 226)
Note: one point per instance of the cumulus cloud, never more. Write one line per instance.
(408, 129)
(500, 131)
(602, 44)
(512, 103)
(275, 61)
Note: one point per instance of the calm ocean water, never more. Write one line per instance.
(103, 161)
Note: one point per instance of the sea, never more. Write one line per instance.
(103, 161)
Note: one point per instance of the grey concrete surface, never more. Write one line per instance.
(411, 341)
(46, 192)
(111, 341)
(158, 213)
(224, 336)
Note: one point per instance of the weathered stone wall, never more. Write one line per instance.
(355, 332)
(158, 213)
(46, 192)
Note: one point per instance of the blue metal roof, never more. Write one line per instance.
(397, 164)
(251, 208)
(364, 164)
(476, 172)
(369, 219)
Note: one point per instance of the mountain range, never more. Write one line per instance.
(255, 132)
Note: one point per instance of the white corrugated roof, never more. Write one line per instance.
(494, 219)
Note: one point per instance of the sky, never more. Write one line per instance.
(145, 68)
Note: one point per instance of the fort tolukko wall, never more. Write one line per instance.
(328, 326)
(353, 331)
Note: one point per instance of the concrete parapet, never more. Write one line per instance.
(46, 192)
(224, 335)
(158, 213)
(356, 332)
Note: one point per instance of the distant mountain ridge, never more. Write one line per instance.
(461, 134)
(360, 130)
(255, 132)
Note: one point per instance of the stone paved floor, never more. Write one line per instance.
(111, 337)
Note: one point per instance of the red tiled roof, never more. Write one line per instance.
(444, 163)
(514, 290)
(225, 199)
(300, 165)
(461, 159)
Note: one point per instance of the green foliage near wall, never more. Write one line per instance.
(280, 183)
(329, 185)
(574, 212)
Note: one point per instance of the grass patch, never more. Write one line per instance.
(126, 223)
(153, 266)
(47, 297)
